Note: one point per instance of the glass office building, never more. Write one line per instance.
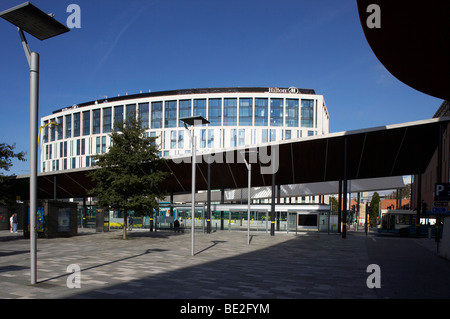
(238, 117)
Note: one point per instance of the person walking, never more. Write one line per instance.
(14, 223)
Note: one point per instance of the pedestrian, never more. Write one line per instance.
(176, 225)
(130, 222)
(11, 223)
(14, 223)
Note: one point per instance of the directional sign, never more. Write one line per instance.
(442, 192)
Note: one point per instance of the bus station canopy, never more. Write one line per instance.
(387, 151)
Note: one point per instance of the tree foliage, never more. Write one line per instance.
(7, 154)
(374, 208)
(128, 176)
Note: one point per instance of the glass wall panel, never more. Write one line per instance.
(185, 110)
(170, 114)
(210, 138)
(173, 139)
(307, 113)
(87, 123)
(276, 112)
(180, 139)
(76, 125)
(292, 112)
(233, 138)
(241, 137)
(144, 115)
(96, 121)
(261, 112)
(245, 111)
(118, 116)
(131, 111)
(157, 115)
(215, 112)
(230, 111)
(200, 107)
(107, 120)
(60, 127)
(45, 136)
(68, 126)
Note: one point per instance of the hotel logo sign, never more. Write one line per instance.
(292, 90)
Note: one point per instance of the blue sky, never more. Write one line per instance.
(129, 46)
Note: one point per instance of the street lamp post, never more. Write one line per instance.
(192, 121)
(27, 17)
(249, 168)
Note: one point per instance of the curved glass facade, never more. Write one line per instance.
(238, 117)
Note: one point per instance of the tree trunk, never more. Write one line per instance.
(125, 225)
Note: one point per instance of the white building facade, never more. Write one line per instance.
(240, 116)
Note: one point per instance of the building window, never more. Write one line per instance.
(245, 111)
(276, 112)
(203, 138)
(68, 126)
(241, 141)
(130, 111)
(60, 128)
(210, 138)
(180, 139)
(118, 117)
(45, 137)
(157, 114)
(103, 144)
(287, 135)
(63, 149)
(173, 139)
(200, 107)
(273, 135)
(292, 112)
(307, 112)
(76, 125)
(230, 112)
(215, 112)
(96, 121)
(185, 110)
(233, 138)
(52, 131)
(144, 115)
(97, 144)
(107, 117)
(261, 112)
(87, 123)
(265, 135)
(170, 114)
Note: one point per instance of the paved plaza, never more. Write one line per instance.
(160, 266)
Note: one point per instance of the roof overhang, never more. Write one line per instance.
(411, 41)
(393, 150)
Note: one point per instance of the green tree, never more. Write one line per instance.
(334, 204)
(374, 208)
(128, 176)
(6, 155)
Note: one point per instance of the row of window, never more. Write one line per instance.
(166, 114)
(171, 142)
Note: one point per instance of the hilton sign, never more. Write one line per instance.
(292, 90)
